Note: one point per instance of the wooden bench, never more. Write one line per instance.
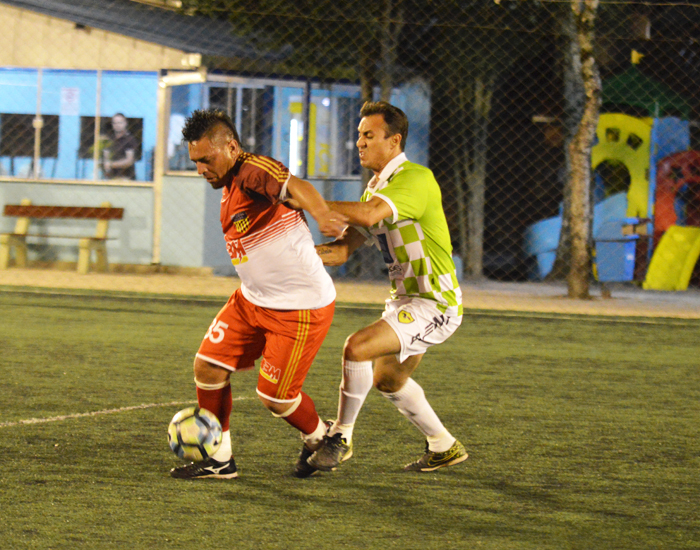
(26, 212)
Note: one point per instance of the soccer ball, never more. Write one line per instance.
(194, 434)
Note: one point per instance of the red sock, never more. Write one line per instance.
(217, 401)
(304, 418)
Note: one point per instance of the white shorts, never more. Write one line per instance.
(419, 324)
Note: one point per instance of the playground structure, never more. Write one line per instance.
(676, 236)
(677, 192)
(646, 214)
(649, 218)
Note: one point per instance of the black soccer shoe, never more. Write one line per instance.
(333, 451)
(302, 468)
(206, 468)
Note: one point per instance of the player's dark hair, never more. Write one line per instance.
(204, 122)
(394, 118)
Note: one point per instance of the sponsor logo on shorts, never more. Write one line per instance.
(241, 221)
(405, 317)
(269, 372)
(437, 323)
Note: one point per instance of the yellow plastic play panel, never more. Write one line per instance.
(674, 259)
(627, 139)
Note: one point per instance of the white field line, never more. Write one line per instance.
(98, 413)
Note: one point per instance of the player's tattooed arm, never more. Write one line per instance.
(337, 252)
(333, 254)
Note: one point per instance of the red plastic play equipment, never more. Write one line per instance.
(677, 172)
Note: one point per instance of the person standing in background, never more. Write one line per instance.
(119, 157)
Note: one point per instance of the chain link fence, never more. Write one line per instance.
(91, 112)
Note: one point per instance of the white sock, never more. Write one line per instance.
(223, 453)
(354, 387)
(343, 429)
(313, 440)
(440, 443)
(411, 402)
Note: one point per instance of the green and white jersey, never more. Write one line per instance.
(415, 241)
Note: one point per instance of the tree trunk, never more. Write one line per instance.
(389, 32)
(574, 101)
(366, 76)
(461, 166)
(476, 178)
(580, 153)
(460, 185)
(473, 108)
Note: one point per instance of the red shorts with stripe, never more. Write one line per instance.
(287, 341)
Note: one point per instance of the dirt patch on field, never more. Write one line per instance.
(625, 300)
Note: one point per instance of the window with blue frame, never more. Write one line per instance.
(49, 116)
(17, 139)
(314, 138)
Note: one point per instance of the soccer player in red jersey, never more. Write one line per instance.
(284, 306)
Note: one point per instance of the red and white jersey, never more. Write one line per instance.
(270, 244)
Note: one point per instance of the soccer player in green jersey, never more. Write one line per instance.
(402, 209)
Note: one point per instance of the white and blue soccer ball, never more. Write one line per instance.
(194, 434)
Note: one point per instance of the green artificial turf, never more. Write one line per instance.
(582, 434)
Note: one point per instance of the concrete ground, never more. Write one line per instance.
(625, 300)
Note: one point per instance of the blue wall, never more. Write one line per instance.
(191, 231)
(131, 239)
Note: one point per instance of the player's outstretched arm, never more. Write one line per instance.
(364, 214)
(304, 195)
(337, 252)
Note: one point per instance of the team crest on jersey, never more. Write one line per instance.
(241, 221)
(269, 372)
(405, 317)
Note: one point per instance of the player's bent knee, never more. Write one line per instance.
(200, 365)
(266, 402)
(209, 374)
(280, 410)
(355, 348)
